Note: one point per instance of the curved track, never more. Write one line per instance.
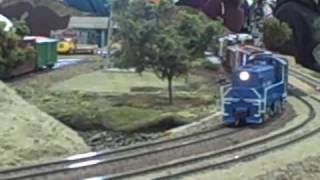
(216, 159)
(132, 161)
(109, 157)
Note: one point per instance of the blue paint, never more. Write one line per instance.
(251, 99)
(98, 7)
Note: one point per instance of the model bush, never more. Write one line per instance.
(276, 34)
(12, 51)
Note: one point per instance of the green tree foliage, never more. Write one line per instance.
(198, 30)
(276, 34)
(12, 52)
(21, 27)
(161, 37)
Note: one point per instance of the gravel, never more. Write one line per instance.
(309, 169)
(304, 162)
(100, 140)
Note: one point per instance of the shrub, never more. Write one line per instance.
(211, 66)
(12, 52)
(276, 34)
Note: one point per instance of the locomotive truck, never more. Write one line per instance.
(257, 91)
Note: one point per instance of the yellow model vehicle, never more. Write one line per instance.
(66, 46)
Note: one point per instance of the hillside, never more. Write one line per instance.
(28, 135)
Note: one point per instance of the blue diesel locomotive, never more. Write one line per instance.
(257, 91)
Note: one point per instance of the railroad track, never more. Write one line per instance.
(216, 159)
(114, 164)
(74, 165)
(315, 83)
(176, 169)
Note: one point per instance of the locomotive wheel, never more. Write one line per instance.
(270, 112)
(283, 106)
(237, 122)
(265, 117)
(277, 107)
(50, 66)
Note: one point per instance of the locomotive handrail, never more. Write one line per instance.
(267, 89)
(224, 93)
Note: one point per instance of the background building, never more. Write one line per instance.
(92, 30)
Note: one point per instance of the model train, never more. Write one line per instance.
(258, 89)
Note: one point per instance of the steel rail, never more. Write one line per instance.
(66, 166)
(173, 164)
(308, 80)
(112, 156)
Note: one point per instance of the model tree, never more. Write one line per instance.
(12, 52)
(21, 28)
(198, 31)
(161, 37)
(276, 34)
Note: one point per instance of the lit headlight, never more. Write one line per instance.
(244, 76)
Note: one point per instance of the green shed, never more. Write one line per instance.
(46, 49)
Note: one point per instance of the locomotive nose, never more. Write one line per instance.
(240, 114)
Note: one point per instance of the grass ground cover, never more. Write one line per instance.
(129, 101)
(115, 82)
(85, 99)
(28, 135)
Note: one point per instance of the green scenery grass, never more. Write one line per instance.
(115, 82)
(86, 99)
(129, 118)
(28, 135)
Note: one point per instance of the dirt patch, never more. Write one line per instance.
(309, 169)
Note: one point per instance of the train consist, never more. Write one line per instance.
(45, 57)
(258, 89)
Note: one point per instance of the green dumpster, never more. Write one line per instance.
(46, 49)
(46, 53)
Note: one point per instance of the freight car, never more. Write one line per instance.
(237, 55)
(45, 57)
(258, 90)
(235, 49)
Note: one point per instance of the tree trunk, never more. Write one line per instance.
(187, 78)
(170, 90)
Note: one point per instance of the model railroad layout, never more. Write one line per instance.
(178, 157)
(174, 157)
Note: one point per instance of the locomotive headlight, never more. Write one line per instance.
(244, 76)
